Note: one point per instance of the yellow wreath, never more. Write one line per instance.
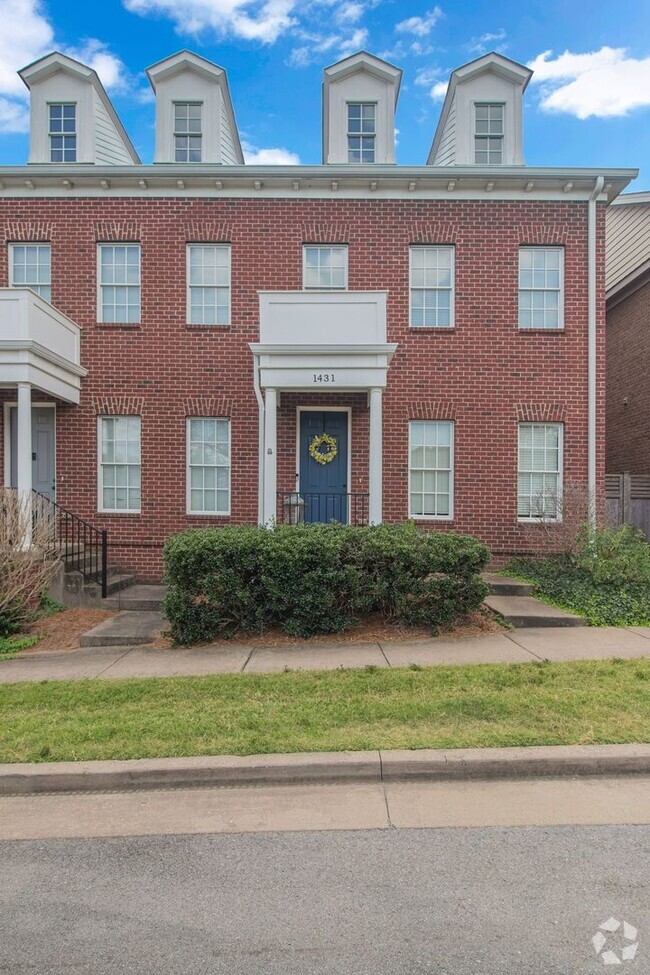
(323, 456)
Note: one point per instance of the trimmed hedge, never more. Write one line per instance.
(317, 578)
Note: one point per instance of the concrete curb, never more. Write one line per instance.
(325, 767)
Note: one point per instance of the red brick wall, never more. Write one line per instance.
(628, 386)
(484, 373)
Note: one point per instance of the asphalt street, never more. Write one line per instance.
(473, 901)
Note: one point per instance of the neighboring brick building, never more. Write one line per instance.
(628, 335)
(216, 329)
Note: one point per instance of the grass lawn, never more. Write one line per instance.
(439, 707)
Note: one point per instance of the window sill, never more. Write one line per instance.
(223, 328)
(122, 326)
(445, 329)
(446, 519)
(540, 331)
(121, 513)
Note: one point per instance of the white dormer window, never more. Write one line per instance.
(362, 132)
(63, 132)
(488, 134)
(187, 132)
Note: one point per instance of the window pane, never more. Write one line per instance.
(431, 468)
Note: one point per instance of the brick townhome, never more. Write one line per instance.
(628, 338)
(211, 321)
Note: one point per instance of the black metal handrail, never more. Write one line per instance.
(300, 507)
(82, 547)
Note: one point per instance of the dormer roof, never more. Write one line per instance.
(469, 76)
(102, 137)
(361, 78)
(186, 76)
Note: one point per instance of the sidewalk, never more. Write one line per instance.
(517, 646)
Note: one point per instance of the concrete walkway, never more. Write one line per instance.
(517, 646)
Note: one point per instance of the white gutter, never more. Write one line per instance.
(591, 348)
(260, 437)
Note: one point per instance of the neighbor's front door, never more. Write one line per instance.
(43, 450)
(324, 487)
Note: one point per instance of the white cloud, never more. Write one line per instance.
(269, 157)
(490, 41)
(336, 45)
(432, 78)
(28, 35)
(349, 13)
(427, 76)
(252, 20)
(421, 26)
(602, 83)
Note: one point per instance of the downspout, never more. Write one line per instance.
(592, 322)
(260, 437)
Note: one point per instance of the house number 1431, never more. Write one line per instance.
(324, 377)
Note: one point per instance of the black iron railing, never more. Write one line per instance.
(298, 508)
(81, 547)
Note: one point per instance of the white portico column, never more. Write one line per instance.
(270, 455)
(24, 457)
(375, 466)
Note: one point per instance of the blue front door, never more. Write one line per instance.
(324, 487)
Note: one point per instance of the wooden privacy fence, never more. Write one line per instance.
(627, 500)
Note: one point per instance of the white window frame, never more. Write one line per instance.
(100, 284)
(361, 134)
(537, 519)
(188, 135)
(189, 465)
(188, 296)
(451, 289)
(451, 470)
(487, 136)
(324, 247)
(62, 134)
(101, 463)
(35, 286)
(534, 290)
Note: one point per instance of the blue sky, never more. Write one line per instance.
(588, 103)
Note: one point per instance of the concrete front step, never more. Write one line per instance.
(124, 630)
(506, 586)
(137, 598)
(525, 611)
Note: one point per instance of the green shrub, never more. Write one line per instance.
(614, 554)
(606, 578)
(317, 578)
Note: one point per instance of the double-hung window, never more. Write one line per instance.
(208, 466)
(431, 469)
(362, 132)
(119, 283)
(432, 287)
(187, 132)
(62, 122)
(30, 267)
(324, 268)
(488, 133)
(119, 463)
(208, 284)
(541, 285)
(539, 479)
